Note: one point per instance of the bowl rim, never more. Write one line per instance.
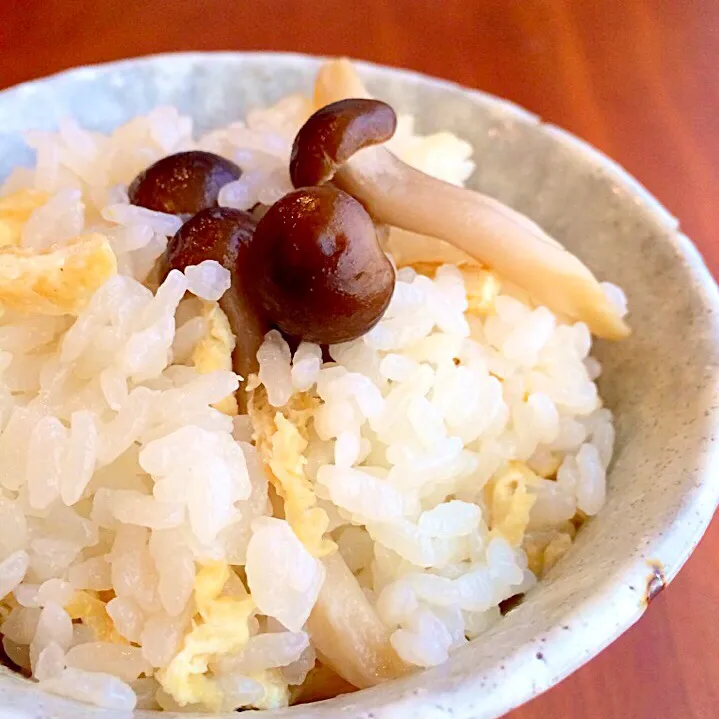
(459, 696)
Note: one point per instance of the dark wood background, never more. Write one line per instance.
(636, 78)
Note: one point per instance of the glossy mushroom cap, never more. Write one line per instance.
(336, 132)
(319, 272)
(217, 233)
(183, 183)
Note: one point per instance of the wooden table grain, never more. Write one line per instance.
(636, 78)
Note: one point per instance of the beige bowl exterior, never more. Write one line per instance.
(662, 383)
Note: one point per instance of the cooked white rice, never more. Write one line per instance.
(451, 450)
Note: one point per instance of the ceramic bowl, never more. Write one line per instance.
(662, 383)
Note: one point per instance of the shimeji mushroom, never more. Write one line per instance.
(223, 234)
(396, 194)
(183, 183)
(347, 633)
(317, 267)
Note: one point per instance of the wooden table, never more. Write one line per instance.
(636, 78)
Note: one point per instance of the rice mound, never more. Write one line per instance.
(158, 550)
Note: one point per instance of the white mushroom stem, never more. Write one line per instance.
(492, 233)
(347, 633)
(337, 80)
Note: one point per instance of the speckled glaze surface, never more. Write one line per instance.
(663, 383)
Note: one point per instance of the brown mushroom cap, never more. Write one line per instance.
(217, 233)
(336, 132)
(183, 183)
(224, 234)
(317, 267)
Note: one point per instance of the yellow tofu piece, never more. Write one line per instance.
(511, 503)
(482, 287)
(214, 351)
(57, 281)
(281, 438)
(15, 211)
(92, 612)
(221, 628)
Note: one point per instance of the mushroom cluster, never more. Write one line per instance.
(313, 266)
